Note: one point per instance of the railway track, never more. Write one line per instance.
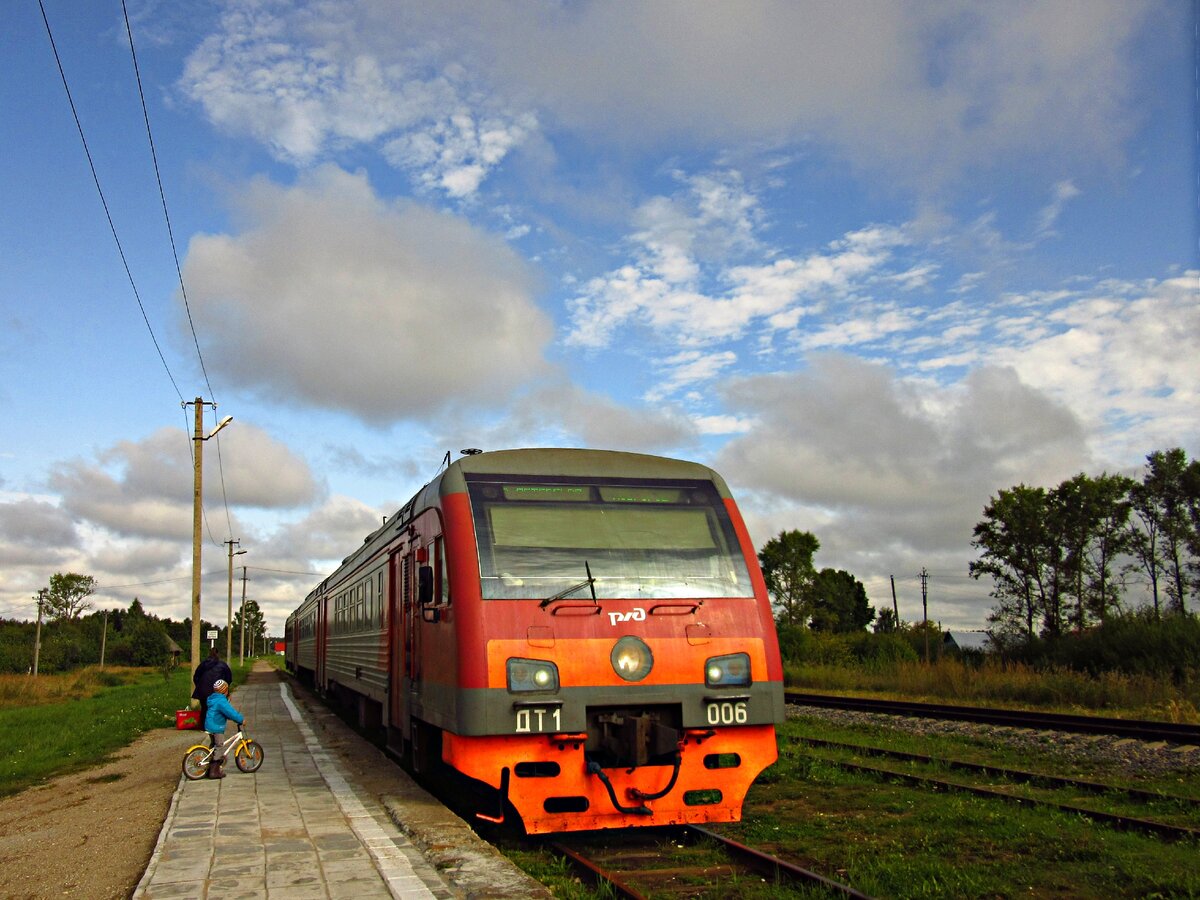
(1167, 830)
(687, 861)
(1143, 730)
(1016, 775)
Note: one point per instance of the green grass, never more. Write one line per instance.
(891, 840)
(83, 728)
(996, 683)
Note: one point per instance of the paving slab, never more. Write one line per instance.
(325, 817)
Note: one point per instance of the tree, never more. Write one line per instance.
(1110, 539)
(839, 602)
(886, 622)
(256, 626)
(1163, 505)
(787, 565)
(66, 599)
(1087, 520)
(1014, 552)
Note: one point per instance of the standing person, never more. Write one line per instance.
(220, 711)
(206, 675)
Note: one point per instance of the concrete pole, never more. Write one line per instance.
(37, 636)
(242, 616)
(197, 494)
(229, 611)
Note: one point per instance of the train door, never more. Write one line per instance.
(322, 641)
(412, 618)
(397, 692)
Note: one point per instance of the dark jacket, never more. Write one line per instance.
(209, 670)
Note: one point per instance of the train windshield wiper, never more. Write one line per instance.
(589, 582)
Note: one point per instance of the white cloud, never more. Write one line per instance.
(456, 153)
(875, 81)
(681, 287)
(337, 299)
(144, 488)
(1063, 192)
(308, 81)
(561, 414)
(1123, 355)
(891, 474)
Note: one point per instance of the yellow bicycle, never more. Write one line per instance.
(247, 753)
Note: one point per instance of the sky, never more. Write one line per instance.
(873, 262)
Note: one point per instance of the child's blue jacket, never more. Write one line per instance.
(220, 711)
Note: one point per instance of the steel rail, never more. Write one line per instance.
(764, 864)
(1125, 823)
(1145, 730)
(772, 866)
(1094, 787)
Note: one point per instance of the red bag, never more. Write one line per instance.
(186, 719)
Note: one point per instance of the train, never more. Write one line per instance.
(583, 635)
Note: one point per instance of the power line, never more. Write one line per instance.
(287, 572)
(103, 201)
(163, 196)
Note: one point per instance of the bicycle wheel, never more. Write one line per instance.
(249, 756)
(195, 762)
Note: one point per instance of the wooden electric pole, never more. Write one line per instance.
(925, 610)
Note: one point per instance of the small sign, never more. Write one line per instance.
(212, 634)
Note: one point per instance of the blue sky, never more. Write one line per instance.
(873, 262)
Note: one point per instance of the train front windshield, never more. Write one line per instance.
(639, 539)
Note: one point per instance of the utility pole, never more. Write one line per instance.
(925, 610)
(198, 439)
(37, 636)
(229, 610)
(242, 616)
(895, 607)
(103, 638)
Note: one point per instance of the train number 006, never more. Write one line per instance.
(727, 713)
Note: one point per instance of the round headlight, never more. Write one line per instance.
(631, 658)
(541, 677)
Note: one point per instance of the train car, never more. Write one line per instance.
(586, 633)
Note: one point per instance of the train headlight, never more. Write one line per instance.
(532, 675)
(727, 671)
(631, 658)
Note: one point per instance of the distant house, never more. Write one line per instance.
(970, 641)
(173, 649)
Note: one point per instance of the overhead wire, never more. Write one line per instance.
(178, 270)
(103, 200)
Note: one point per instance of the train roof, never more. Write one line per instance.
(574, 463)
(533, 461)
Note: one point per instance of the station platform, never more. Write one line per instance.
(327, 816)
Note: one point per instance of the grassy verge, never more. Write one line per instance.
(891, 840)
(73, 721)
(1009, 684)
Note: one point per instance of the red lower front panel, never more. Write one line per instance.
(551, 789)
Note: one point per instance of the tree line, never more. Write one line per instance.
(73, 634)
(1063, 559)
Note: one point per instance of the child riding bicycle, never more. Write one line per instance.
(220, 711)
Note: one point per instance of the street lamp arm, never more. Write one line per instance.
(225, 421)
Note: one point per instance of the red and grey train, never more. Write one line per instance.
(586, 632)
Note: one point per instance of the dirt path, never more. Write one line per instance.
(90, 834)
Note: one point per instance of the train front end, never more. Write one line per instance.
(626, 669)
